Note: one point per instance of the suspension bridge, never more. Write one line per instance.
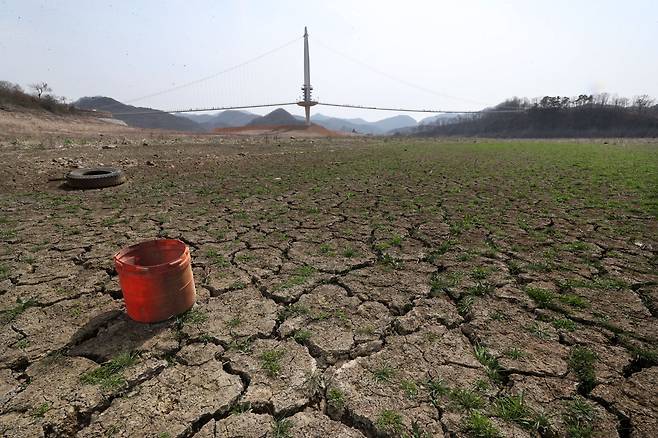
(307, 101)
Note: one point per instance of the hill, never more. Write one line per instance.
(198, 118)
(278, 117)
(554, 117)
(395, 122)
(12, 96)
(438, 119)
(361, 126)
(344, 125)
(224, 119)
(142, 117)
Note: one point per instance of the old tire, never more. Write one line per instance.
(95, 178)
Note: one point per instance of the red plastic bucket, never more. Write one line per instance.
(156, 279)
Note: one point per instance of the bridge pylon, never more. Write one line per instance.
(307, 101)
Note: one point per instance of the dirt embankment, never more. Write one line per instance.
(35, 123)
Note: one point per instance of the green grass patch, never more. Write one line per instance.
(542, 297)
(515, 353)
(480, 273)
(513, 408)
(390, 421)
(437, 388)
(109, 375)
(383, 374)
(581, 362)
(564, 324)
(573, 300)
(350, 252)
(300, 276)
(538, 330)
(480, 426)
(191, 317)
(489, 361)
(336, 398)
(435, 255)
(480, 288)
(40, 411)
(217, 259)
(467, 398)
(579, 417)
(293, 310)
(465, 304)
(282, 428)
(233, 322)
(389, 262)
(21, 306)
(302, 335)
(270, 361)
(410, 388)
(442, 281)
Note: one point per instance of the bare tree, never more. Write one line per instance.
(602, 99)
(642, 102)
(620, 102)
(40, 88)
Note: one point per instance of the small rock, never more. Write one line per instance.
(150, 163)
(109, 146)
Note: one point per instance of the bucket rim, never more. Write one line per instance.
(181, 260)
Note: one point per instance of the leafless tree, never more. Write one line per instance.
(642, 102)
(620, 102)
(602, 99)
(40, 88)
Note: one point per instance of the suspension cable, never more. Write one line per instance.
(194, 110)
(407, 110)
(394, 78)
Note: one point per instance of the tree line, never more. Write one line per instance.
(585, 115)
(41, 96)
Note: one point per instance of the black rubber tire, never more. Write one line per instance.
(95, 178)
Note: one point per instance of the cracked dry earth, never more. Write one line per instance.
(346, 287)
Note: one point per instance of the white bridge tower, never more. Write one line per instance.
(307, 102)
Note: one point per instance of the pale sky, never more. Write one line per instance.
(452, 55)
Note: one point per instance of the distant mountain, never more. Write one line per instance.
(224, 119)
(361, 126)
(358, 121)
(230, 118)
(395, 122)
(199, 118)
(344, 125)
(143, 117)
(277, 117)
(427, 123)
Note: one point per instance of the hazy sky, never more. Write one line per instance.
(455, 55)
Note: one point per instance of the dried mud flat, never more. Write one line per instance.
(346, 287)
